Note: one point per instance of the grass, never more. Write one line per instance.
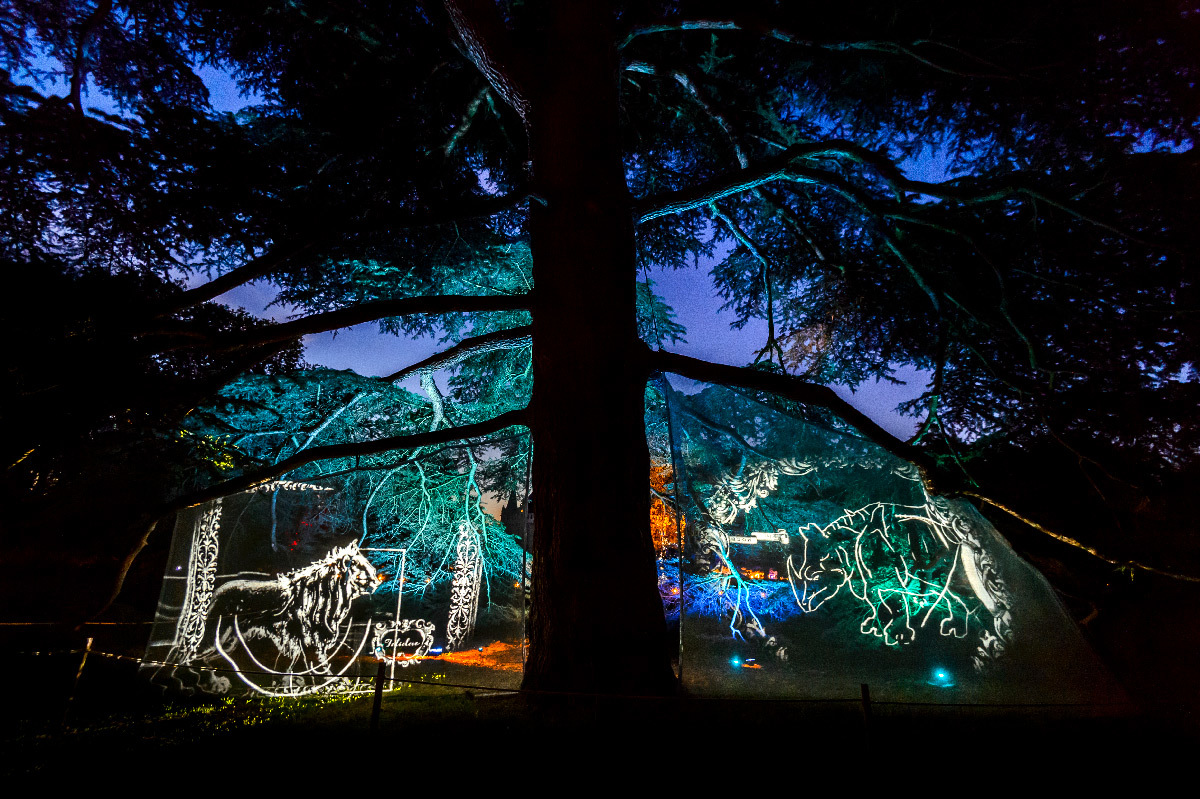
(117, 727)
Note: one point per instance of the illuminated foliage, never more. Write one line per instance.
(419, 501)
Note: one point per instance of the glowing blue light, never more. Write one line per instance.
(941, 679)
(736, 662)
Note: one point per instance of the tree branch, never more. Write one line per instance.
(270, 261)
(868, 205)
(346, 450)
(809, 393)
(738, 181)
(780, 167)
(764, 274)
(491, 49)
(354, 315)
(508, 339)
(79, 70)
(776, 202)
(279, 255)
(688, 82)
(464, 123)
(1095, 553)
(766, 30)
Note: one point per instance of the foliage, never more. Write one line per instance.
(95, 418)
(417, 500)
(1003, 200)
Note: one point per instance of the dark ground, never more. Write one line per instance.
(118, 730)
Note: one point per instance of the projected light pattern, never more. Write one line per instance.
(724, 590)
(402, 643)
(745, 603)
(740, 493)
(291, 633)
(464, 591)
(898, 573)
(908, 568)
(201, 579)
(303, 618)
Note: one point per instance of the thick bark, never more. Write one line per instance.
(597, 622)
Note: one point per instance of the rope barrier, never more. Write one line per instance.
(72, 625)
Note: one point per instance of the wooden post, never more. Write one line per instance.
(866, 713)
(377, 705)
(75, 685)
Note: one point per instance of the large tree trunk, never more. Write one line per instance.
(597, 620)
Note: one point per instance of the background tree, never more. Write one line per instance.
(404, 155)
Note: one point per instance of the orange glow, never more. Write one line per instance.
(500, 656)
(662, 518)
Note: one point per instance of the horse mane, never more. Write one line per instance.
(318, 596)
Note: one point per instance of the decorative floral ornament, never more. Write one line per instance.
(738, 494)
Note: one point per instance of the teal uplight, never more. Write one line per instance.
(941, 679)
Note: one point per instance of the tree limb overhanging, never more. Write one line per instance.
(1128, 564)
(781, 167)
(776, 167)
(764, 274)
(275, 258)
(348, 450)
(353, 315)
(508, 339)
(328, 452)
(464, 123)
(490, 47)
(79, 68)
(810, 393)
(281, 255)
(689, 83)
(766, 30)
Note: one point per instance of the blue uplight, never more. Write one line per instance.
(941, 679)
